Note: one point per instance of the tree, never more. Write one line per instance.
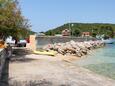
(12, 23)
(107, 31)
(50, 33)
(76, 32)
(94, 34)
(110, 31)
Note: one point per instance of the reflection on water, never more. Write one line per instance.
(101, 61)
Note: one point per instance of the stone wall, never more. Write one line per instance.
(43, 40)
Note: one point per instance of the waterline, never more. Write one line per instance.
(101, 61)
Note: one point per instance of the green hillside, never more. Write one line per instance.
(78, 28)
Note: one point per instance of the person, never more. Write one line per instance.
(7, 48)
(28, 40)
(2, 44)
(16, 41)
(9, 51)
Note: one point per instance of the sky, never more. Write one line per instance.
(48, 14)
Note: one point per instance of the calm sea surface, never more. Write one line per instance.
(101, 61)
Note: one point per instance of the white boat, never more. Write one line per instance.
(108, 41)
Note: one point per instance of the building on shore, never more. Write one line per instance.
(86, 34)
(66, 32)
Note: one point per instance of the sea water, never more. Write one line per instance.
(101, 61)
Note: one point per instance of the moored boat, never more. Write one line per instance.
(108, 41)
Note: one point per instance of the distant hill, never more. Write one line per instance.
(78, 28)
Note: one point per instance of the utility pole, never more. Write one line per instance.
(70, 28)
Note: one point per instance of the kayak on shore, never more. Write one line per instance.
(50, 53)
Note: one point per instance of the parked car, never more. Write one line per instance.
(10, 41)
(21, 43)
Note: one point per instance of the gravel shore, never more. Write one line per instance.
(40, 70)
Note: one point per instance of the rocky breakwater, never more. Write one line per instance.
(74, 48)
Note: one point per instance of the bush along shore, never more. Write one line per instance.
(74, 48)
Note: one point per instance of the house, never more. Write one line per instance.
(86, 34)
(66, 32)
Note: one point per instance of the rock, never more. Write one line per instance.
(74, 48)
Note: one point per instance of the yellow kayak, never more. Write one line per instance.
(50, 53)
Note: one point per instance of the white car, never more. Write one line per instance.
(10, 41)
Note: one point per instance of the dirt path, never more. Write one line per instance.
(53, 71)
